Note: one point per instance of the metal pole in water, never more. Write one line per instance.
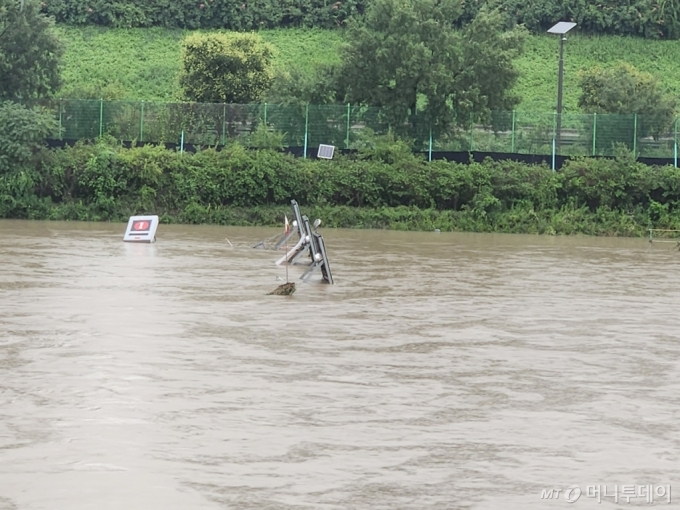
(429, 156)
(181, 143)
(594, 132)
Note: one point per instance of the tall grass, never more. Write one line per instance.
(142, 64)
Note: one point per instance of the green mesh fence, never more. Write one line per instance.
(352, 127)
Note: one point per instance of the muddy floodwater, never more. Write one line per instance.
(441, 371)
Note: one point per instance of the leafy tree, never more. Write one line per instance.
(22, 132)
(625, 90)
(29, 51)
(226, 68)
(406, 57)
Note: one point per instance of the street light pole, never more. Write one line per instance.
(560, 28)
(560, 81)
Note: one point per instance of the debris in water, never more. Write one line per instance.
(285, 289)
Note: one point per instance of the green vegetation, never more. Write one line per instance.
(646, 18)
(226, 67)
(144, 64)
(406, 58)
(383, 186)
(29, 51)
(22, 132)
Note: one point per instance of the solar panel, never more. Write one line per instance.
(325, 151)
(562, 27)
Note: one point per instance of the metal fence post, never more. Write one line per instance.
(635, 136)
(101, 117)
(61, 136)
(553, 140)
(349, 112)
(306, 128)
(675, 145)
(224, 123)
(429, 155)
(141, 124)
(512, 146)
(594, 133)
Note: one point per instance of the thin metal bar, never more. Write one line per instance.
(512, 147)
(429, 156)
(675, 148)
(553, 140)
(560, 80)
(101, 117)
(265, 115)
(635, 136)
(306, 128)
(61, 137)
(553, 154)
(349, 112)
(471, 139)
(224, 124)
(141, 124)
(594, 133)
(181, 143)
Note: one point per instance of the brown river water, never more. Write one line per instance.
(442, 371)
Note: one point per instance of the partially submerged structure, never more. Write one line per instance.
(308, 239)
(141, 229)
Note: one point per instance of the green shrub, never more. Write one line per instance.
(383, 187)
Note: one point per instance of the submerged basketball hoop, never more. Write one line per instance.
(141, 229)
(308, 239)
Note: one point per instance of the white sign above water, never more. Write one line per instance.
(141, 229)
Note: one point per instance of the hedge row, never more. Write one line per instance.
(384, 187)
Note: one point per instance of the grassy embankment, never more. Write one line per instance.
(142, 64)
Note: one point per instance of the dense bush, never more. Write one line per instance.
(383, 187)
(226, 68)
(193, 14)
(647, 18)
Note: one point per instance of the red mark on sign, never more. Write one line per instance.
(141, 225)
